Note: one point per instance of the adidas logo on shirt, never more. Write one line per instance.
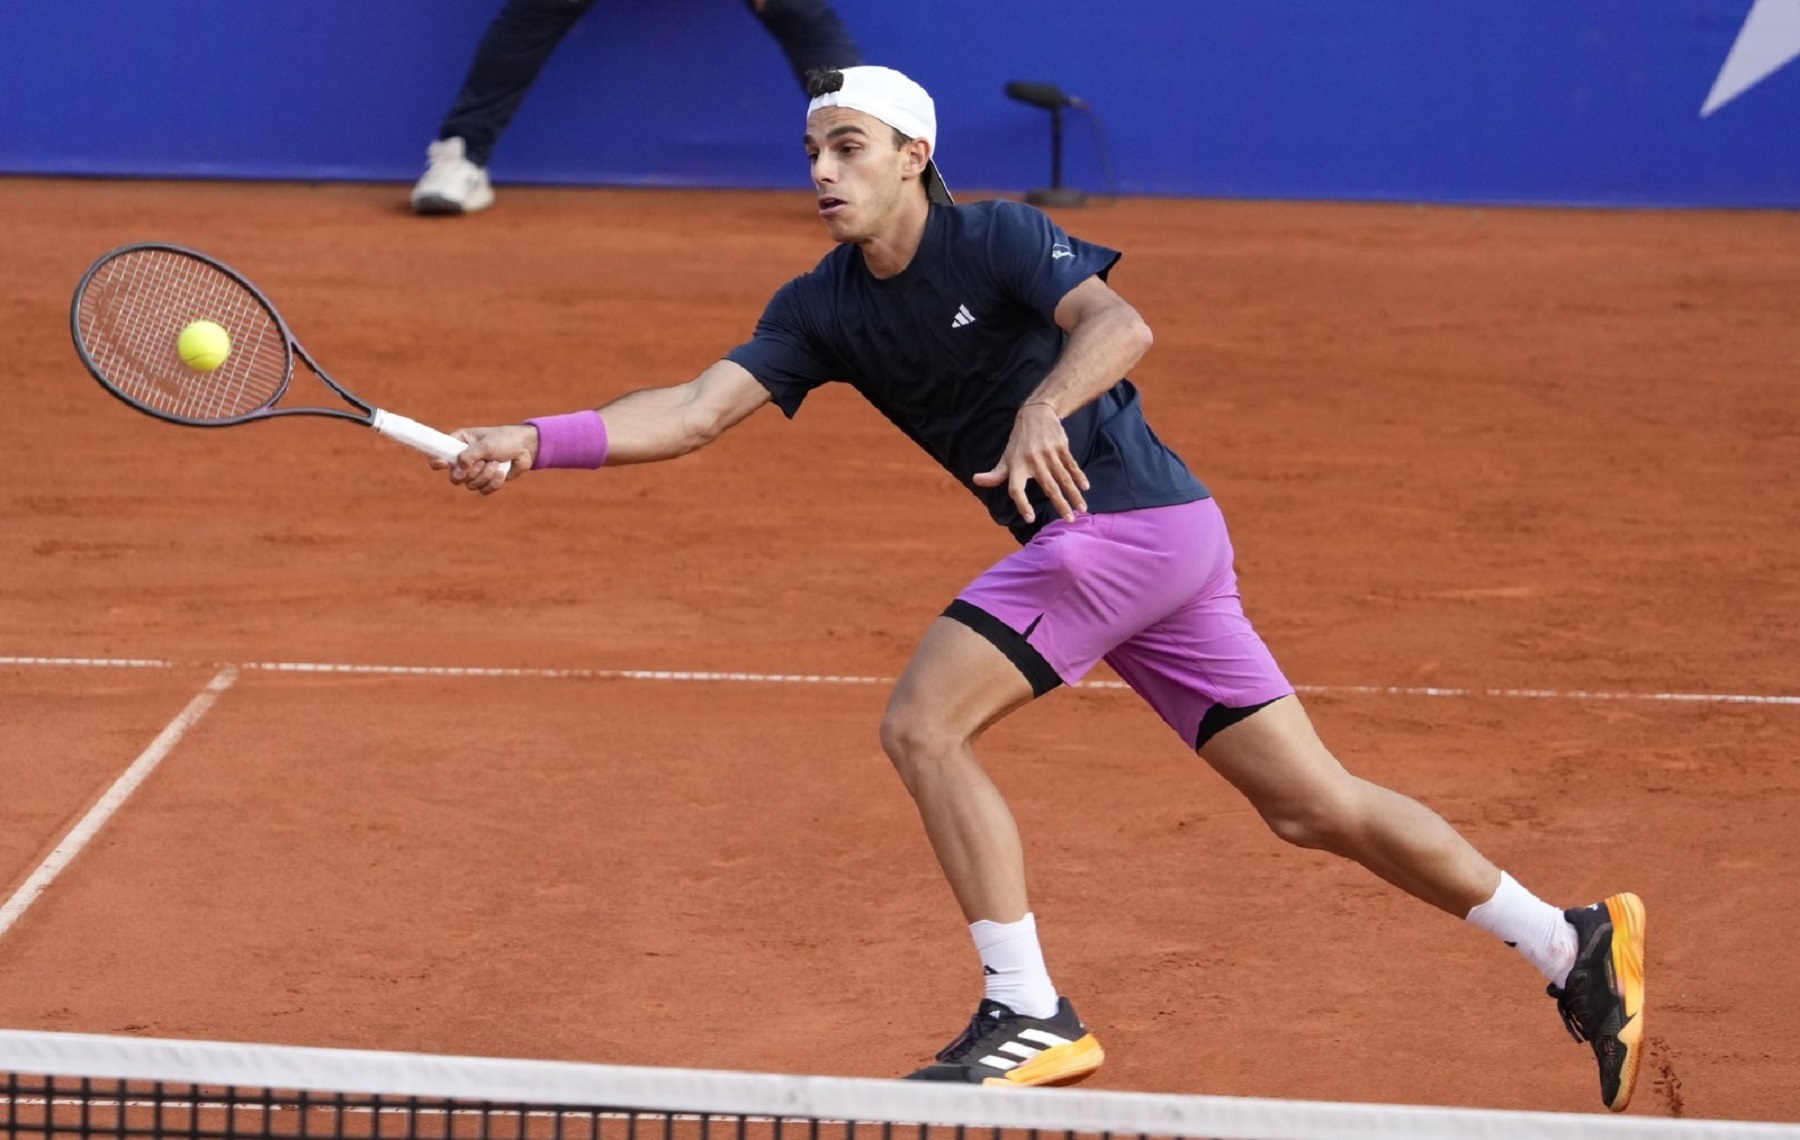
(963, 317)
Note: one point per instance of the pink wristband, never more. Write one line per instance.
(577, 439)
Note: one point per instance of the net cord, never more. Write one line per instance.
(712, 1092)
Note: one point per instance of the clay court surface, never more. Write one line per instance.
(1480, 450)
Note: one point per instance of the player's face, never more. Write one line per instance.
(856, 170)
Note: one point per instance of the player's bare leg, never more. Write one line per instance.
(1307, 798)
(1593, 956)
(957, 685)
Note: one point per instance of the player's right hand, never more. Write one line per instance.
(481, 466)
(1038, 452)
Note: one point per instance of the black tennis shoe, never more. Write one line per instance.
(1603, 1002)
(1001, 1047)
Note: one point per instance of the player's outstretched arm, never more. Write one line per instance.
(1106, 339)
(641, 427)
(662, 423)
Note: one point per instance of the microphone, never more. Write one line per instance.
(1052, 99)
(1045, 95)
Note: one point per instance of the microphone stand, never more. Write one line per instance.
(1056, 194)
(1052, 99)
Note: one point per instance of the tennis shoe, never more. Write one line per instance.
(451, 183)
(1000, 1047)
(1602, 1002)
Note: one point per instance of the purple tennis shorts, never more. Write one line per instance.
(1152, 592)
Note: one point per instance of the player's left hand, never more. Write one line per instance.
(1038, 451)
(480, 466)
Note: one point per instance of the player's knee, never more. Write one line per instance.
(904, 736)
(1323, 822)
(916, 743)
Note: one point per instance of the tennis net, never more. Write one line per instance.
(79, 1085)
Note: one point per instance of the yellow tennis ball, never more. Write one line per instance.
(203, 345)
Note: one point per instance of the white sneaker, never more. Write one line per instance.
(451, 184)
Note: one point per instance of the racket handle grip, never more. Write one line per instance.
(415, 434)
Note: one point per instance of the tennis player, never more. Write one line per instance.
(991, 338)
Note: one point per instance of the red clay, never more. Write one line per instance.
(1489, 449)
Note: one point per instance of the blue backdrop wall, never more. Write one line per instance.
(1566, 101)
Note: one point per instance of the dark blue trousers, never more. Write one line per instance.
(524, 33)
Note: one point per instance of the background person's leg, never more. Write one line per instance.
(810, 32)
(507, 61)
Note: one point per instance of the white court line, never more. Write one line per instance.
(836, 679)
(91, 662)
(115, 797)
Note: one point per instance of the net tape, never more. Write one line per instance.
(109, 1086)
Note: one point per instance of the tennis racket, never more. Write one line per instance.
(128, 316)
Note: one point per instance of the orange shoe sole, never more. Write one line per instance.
(1628, 920)
(1056, 1066)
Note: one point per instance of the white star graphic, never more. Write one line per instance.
(1768, 41)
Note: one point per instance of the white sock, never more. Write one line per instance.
(1531, 926)
(1014, 966)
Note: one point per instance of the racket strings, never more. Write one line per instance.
(131, 315)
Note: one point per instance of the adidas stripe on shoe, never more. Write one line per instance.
(1000, 1047)
(1603, 1000)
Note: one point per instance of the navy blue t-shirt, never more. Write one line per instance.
(949, 348)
